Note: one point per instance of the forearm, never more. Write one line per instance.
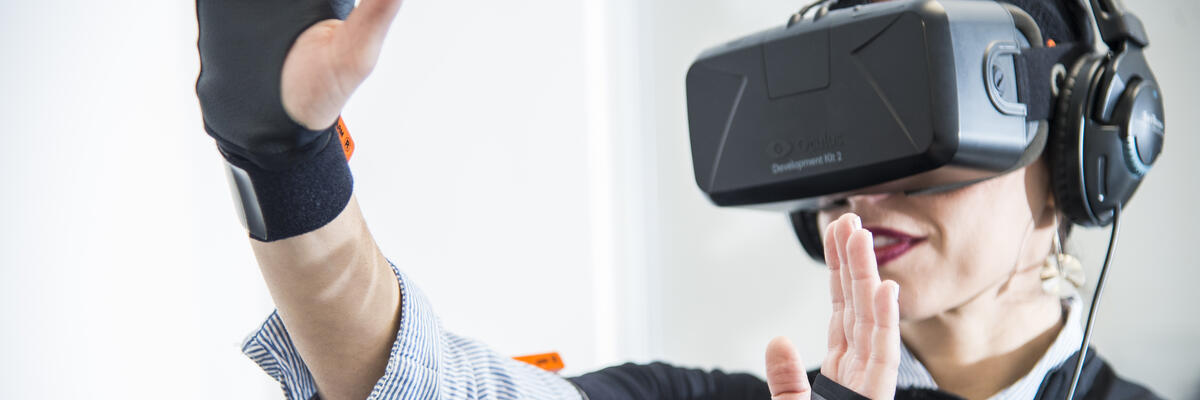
(424, 362)
(274, 74)
(339, 299)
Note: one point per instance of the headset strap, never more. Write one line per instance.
(1035, 76)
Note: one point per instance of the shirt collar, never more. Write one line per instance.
(912, 374)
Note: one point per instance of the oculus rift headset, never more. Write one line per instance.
(922, 96)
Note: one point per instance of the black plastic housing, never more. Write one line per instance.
(887, 96)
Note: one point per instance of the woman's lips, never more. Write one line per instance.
(890, 244)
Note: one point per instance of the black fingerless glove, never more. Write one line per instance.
(824, 388)
(287, 179)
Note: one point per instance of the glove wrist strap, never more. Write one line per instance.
(278, 204)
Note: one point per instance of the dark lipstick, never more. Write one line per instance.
(897, 243)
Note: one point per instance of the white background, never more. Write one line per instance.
(526, 162)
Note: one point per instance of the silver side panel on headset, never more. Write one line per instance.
(993, 133)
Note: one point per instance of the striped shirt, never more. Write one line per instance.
(426, 362)
(912, 374)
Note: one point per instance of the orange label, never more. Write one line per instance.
(344, 137)
(547, 361)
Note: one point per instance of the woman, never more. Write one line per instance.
(956, 275)
(960, 310)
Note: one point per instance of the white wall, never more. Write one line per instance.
(732, 279)
(122, 274)
(525, 161)
(126, 275)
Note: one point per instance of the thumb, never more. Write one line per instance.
(368, 24)
(785, 372)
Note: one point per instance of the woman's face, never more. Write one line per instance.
(945, 249)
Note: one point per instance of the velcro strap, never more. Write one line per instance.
(1035, 68)
(278, 204)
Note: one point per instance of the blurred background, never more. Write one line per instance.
(526, 162)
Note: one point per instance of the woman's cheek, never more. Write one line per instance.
(918, 300)
(928, 280)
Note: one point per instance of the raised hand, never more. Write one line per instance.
(864, 332)
(335, 292)
(330, 59)
(274, 74)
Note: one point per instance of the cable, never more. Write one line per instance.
(799, 15)
(1087, 331)
(809, 7)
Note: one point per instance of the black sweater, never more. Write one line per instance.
(667, 382)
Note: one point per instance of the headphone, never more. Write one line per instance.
(1106, 129)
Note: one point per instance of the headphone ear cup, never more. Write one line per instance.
(809, 232)
(1067, 169)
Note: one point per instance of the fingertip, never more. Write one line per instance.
(887, 300)
(786, 376)
(780, 345)
(830, 230)
(840, 229)
(860, 249)
(853, 221)
(782, 356)
(846, 219)
(865, 238)
(889, 291)
(371, 20)
(845, 229)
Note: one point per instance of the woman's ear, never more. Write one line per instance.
(1043, 205)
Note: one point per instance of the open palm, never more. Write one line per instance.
(864, 332)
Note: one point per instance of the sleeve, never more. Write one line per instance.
(426, 362)
(667, 382)
(826, 389)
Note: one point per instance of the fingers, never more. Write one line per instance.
(786, 377)
(369, 22)
(865, 283)
(833, 260)
(842, 229)
(864, 340)
(361, 37)
(885, 343)
(837, 334)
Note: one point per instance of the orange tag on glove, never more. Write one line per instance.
(547, 361)
(345, 139)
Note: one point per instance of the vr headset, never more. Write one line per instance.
(919, 96)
